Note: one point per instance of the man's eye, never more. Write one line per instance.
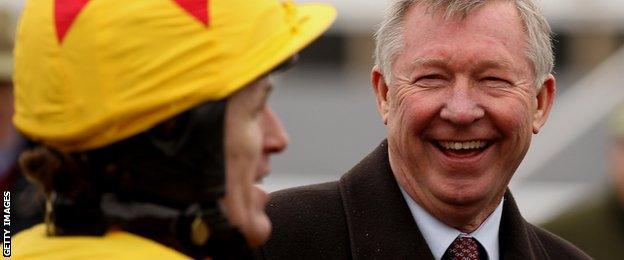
(495, 82)
(431, 80)
(432, 76)
(259, 109)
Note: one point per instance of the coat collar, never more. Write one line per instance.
(518, 239)
(381, 224)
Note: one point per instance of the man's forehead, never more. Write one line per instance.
(493, 35)
(481, 12)
(266, 84)
(262, 87)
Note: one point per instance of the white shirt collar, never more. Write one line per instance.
(439, 236)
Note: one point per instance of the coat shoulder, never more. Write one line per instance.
(307, 221)
(306, 199)
(556, 247)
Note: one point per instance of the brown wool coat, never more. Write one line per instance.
(364, 216)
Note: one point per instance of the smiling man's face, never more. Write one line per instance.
(461, 108)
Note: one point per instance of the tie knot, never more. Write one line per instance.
(464, 248)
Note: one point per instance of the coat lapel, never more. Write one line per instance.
(518, 240)
(380, 223)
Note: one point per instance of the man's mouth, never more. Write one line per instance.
(462, 149)
(263, 170)
(261, 175)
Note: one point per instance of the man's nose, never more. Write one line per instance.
(461, 107)
(275, 137)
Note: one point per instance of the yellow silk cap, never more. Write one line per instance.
(89, 73)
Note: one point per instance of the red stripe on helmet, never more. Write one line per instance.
(65, 12)
(196, 8)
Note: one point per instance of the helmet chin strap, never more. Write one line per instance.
(198, 231)
(164, 184)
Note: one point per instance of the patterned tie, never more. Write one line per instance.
(463, 248)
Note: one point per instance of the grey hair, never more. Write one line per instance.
(389, 36)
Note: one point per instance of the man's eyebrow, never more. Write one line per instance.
(266, 92)
(495, 64)
(421, 62)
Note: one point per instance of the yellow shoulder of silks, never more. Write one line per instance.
(34, 244)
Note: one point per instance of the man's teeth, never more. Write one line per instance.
(463, 145)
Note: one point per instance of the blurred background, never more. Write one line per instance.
(327, 105)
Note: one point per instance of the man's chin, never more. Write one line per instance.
(464, 190)
(259, 232)
(462, 197)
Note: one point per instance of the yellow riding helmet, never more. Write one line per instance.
(89, 73)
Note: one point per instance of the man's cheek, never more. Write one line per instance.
(514, 115)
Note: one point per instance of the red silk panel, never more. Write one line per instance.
(196, 8)
(65, 12)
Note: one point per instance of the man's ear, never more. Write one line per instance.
(545, 98)
(381, 93)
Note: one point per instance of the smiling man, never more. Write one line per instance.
(462, 85)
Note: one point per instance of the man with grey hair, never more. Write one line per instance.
(461, 85)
